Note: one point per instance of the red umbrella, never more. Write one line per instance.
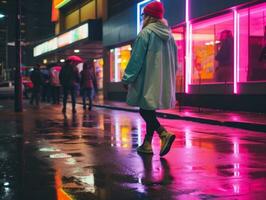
(75, 58)
(56, 68)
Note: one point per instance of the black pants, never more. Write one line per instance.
(152, 124)
(56, 94)
(87, 93)
(35, 96)
(73, 92)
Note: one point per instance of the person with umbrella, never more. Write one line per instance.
(55, 83)
(69, 79)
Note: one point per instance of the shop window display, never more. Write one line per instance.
(99, 72)
(213, 50)
(119, 58)
(252, 45)
(178, 34)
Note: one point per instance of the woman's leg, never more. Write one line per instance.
(152, 123)
(65, 94)
(84, 95)
(90, 98)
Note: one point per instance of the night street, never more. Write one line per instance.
(92, 155)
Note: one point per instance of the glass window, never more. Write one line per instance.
(119, 58)
(99, 72)
(100, 7)
(252, 43)
(72, 19)
(57, 28)
(88, 11)
(178, 34)
(213, 50)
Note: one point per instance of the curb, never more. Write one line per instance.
(241, 125)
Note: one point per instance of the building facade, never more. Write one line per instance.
(220, 51)
(220, 46)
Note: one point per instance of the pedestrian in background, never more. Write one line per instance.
(55, 83)
(150, 75)
(37, 81)
(88, 83)
(225, 57)
(69, 79)
(46, 88)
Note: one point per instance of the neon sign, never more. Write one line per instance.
(67, 38)
(61, 3)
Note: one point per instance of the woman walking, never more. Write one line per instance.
(150, 75)
(88, 83)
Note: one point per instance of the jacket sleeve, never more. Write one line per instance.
(137, 58)
(176, 55)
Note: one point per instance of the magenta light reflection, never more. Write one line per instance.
(188, 140)
(188, 47)
(236, 185)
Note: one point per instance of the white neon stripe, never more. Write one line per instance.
(188, 47)
(116, 65)
(236, 50)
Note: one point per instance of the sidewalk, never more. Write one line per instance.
(237, 119)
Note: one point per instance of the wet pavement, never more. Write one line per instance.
(45, 155)
(237, 119)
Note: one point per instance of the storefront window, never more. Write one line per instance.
(178, 34)
(99, 72)
(119, 58)
(213, 50)
(72, 19)
(87, 11)
(252, 45)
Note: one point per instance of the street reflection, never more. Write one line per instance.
(60, 193)
(94, 155)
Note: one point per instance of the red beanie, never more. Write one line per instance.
(154, 9)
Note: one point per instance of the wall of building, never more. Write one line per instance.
(116, 34)
(121, 27)
(206, 7)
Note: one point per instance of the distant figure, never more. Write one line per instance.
(88, 82)
(69, 79)
(225, 58)
(55, 83)
(37, 80)
(46, 88)
(151, 75)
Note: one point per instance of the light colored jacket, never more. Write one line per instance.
(151, 71)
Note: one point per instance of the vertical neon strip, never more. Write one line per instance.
(188, 47)
(236, 51)
(116, 64)
(138, 13)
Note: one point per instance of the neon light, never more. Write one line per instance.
(61, 3)
(116, 65)
(188, 47)
(236, 50)
(140, 7)
(67, 38)
(55, 12)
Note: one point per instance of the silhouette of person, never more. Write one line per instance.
(225, 57)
